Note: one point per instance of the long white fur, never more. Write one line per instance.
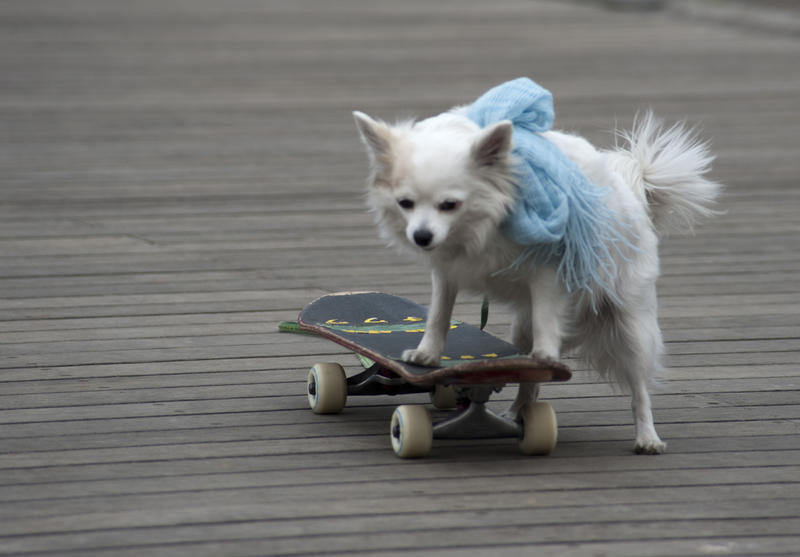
(455, 183)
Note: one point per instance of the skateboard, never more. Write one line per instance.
(378, 327)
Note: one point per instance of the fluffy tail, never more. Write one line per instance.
(666, 167)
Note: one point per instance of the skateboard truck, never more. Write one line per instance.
(412, 431)
(476, 421)
(377, 380)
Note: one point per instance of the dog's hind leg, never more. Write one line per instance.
(640, 362)
(634, 346)
(647, 440)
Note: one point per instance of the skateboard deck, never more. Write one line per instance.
(381, 326)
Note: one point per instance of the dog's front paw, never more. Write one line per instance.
(543, 355)
(414, 356)
(649, 445)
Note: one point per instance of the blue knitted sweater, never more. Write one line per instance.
(559, 215)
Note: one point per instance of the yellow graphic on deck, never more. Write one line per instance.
(471, 357)
(378, 326)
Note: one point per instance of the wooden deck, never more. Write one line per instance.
(178, 176)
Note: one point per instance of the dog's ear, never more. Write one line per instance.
(493, 144)
(378, 139)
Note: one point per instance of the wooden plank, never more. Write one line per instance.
(529, 527)
(719, 497)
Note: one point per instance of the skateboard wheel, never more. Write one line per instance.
(540, 429)
(411, 431)
(327, 388)
(443, 397)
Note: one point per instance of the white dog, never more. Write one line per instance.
(444, 186)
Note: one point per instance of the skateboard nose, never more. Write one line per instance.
(423, 237)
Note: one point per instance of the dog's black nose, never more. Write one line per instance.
(423, 237)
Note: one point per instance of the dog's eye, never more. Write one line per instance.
(449, 205)
(405, 203)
